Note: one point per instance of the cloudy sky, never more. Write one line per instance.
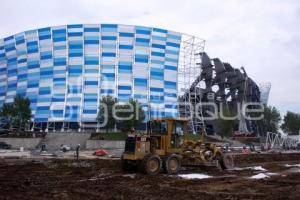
(262, 35)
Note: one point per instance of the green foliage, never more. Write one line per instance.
(22, 111)
(133, 112)
(291, 122)
(18, 112)
(108, 102)
(271, 120)
(226, 126)
(7, 111)
(134, 116)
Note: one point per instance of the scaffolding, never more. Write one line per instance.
(189, 69)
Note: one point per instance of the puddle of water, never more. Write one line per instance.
(295, 165)
(132, 176)
(260, 176)
(256, 168)
(272, 174)
(194, 176)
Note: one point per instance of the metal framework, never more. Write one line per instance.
(188, 71)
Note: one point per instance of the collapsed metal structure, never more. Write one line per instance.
(217, 83)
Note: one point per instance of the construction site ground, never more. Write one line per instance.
(256, 176)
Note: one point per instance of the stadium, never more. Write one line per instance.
(66, 70)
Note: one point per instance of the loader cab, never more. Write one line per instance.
(177, 134)
(157, 127)
(168, 132)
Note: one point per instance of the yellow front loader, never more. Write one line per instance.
(166, 147)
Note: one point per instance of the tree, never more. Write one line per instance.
(271, 120)
(226, 126)
(7, 112)
(18, 113)
(22, 111)
(291, 122)
(105, 114)
(133, 112)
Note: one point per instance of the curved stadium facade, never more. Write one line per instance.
(65, 70)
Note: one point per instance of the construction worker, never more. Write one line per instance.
(245, 150)
(77, 151)
(43, 147)
(252, 147)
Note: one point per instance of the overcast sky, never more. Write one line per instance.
(262, 35)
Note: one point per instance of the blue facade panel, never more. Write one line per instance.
(65, 70)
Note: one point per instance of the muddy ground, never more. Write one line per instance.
(103, 179)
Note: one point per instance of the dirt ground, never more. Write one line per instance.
(103, 179)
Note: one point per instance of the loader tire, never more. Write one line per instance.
(172, 164)
(227, 162)
(127, 166)
(151, 164)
